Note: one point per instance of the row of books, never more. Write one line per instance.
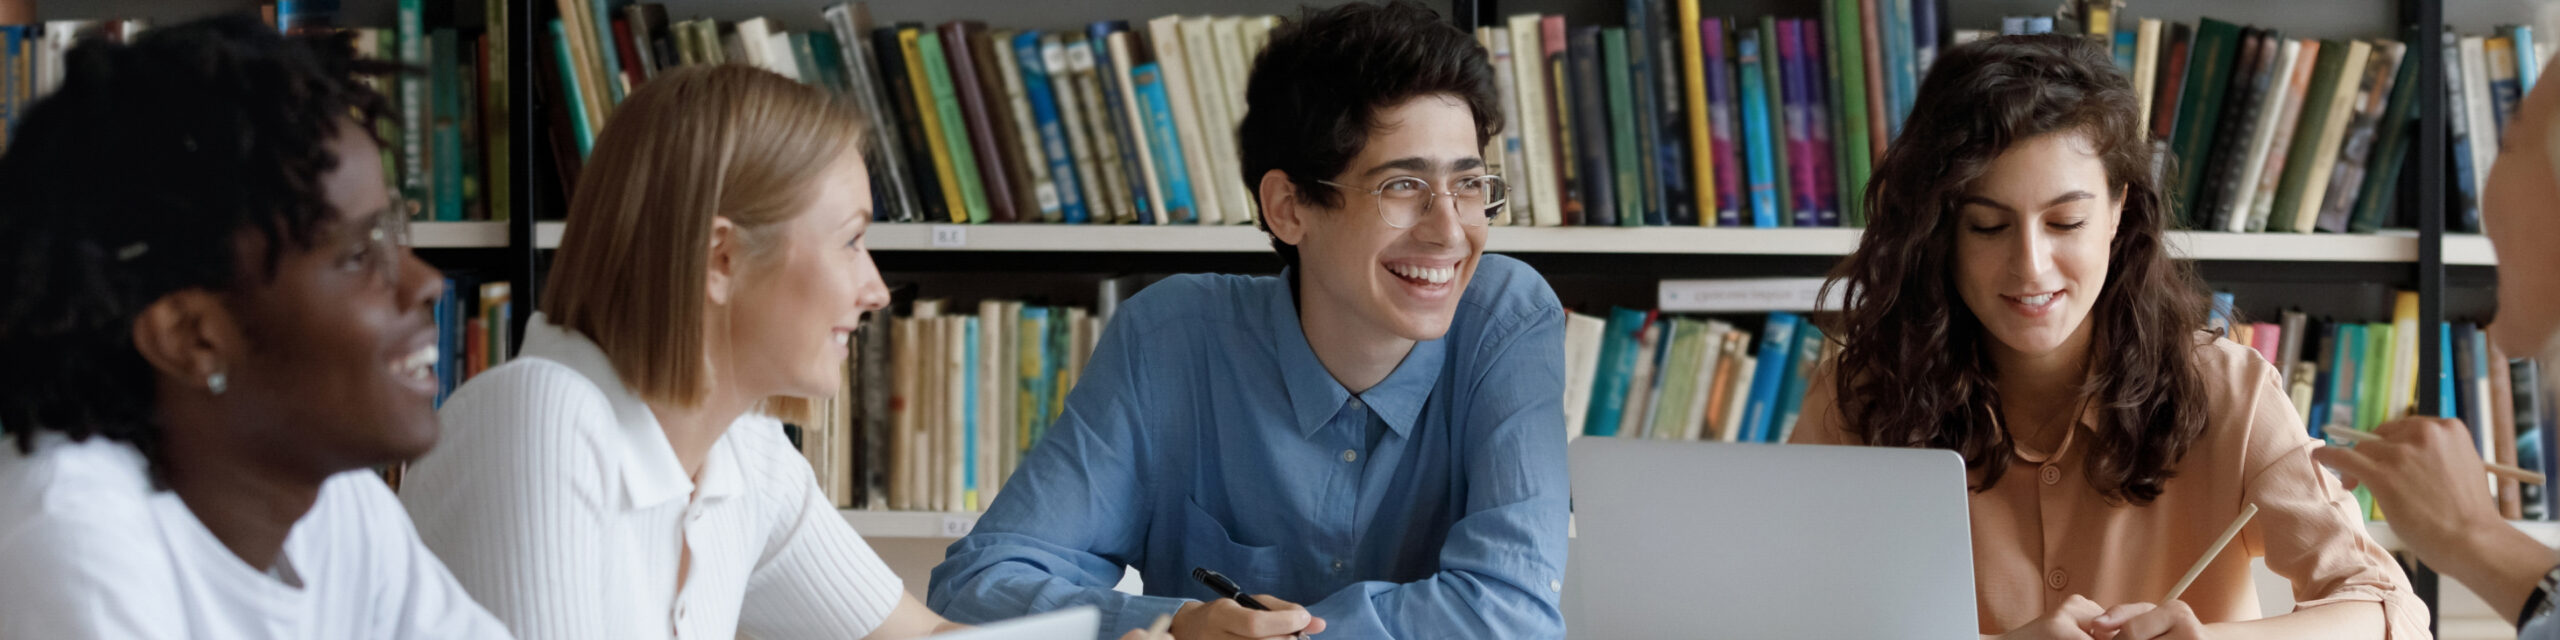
(1117, 123)
(2343, 374)
(447, 135)
(939, 405)
(1645, 374)
(2269, 133)
(475, 322)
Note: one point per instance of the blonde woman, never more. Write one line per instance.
(626, 476)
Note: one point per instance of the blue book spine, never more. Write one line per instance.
(577, 111)
(2459, 135)
(1053, 133)
(2527, 64)
(448, 341)
(605, 51)
(1900, 62)
(447, 124)
(1807, 355)
(2220, 315)
(2446, 400)
(1617, 364)
(1776, 340)
(1755, 131)
(1924, 34)
(2478, 344)
(2344, 376)
(969, 416)
(2125, 44)
(1098, 37)
(1164, 142)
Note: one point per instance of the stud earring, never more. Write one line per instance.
(217, 383)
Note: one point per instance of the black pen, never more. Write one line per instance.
(1228, 589)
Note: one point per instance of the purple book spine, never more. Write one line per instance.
(1826, 167)
(1799, 125)
(1720, 91)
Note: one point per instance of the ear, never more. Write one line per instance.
(1280, 207)
(187, 335)
(721, 281)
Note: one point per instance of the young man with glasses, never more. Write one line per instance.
(1377, 433)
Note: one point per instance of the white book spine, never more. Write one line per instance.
(1750, 295)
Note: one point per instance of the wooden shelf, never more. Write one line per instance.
(2548, 533)
(458, 235)
(2391, 246)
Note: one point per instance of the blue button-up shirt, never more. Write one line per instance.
(1204, 433)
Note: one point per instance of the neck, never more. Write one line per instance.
(2037, 389)
(249, 503)
(692, 430)
(1357, 355)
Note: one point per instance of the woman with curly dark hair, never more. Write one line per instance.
(210, 334)
(2012, 300)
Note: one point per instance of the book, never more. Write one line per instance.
(1727, 387)
(1583, 335)
(2226, 154)
(2347, 365)
(2403, 378)
(1112, 63)
(2210, 63)
(2480, 101)
(1752, 102)
(1773, 78)
(1051, 127)
(903, 140)
(2290, 327)
(1181, 104)
(2499, 52)
(2238, 207)
(1617, 364)
(2355, 149)
(2375, 392)
(2390, 150)
(1850, 110)
(2464, 212)
(1643, 196)
(1776, 340)
(941, 127)
(1642, 389)
(1113, 162)
(1595, 168)
(2303, 163)
(2500, 416)
(1211, 69)
(1806, 355)
(1625, 153)
(1725, 142)
(1538, 168)
(1675, 192)
(1685, 348)
(1694, 420)
(1796, 110)
(2146, 65)
(1556, 66)
(978, 153)
(1503, 152)
(1163, 131)
(1031, 149)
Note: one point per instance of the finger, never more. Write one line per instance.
(2159, 622)
(2114, 619)
(1315, 625)
(2403, 428)
(2079, 610)
(1283, 618)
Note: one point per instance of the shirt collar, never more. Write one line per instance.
(647, 464)
(1314, 396)
(2088, 422)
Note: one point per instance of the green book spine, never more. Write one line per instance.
(2373, 400)
(413, 103)
(946, 103)
(1772, 68)
(1622, 127)
(2209, 65)
(1849, 72)
(495, 117)
(446, 155)
(2382, 184)
(568, 85)
(2306, 134)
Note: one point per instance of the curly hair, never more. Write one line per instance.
(134, 181)
(1913, 370)
(1316, 90)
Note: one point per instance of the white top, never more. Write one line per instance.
(559, 504)
(89, 550)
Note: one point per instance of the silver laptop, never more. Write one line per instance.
(1064, 624)
(1716, 540)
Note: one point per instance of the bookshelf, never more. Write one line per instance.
(459, 235)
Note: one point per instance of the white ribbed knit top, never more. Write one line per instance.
(557, 502)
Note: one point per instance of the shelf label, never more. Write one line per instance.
(957, 524)
(1745, 295)
(950, 236)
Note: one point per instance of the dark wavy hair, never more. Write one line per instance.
(133, 181)
(1317, 88)
(1913, 370)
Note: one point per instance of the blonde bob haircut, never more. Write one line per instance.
(631, 272)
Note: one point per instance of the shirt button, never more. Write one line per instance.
(2056, 579)
(1350, 456)
(1354, 403)
(2051, 474)
(1337, 566)
(1555, 585)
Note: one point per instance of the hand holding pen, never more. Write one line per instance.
(1237, 615)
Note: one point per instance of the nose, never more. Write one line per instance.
(420, 283)
(2034, 252)
(1440, 223)
(870, 292)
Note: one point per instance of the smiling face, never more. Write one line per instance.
(2032, 243)
(799, 303)
(340, 344)
(1404, 282)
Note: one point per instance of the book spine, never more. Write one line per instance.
(2356, 149)
(2241, 195)
(899, 98)
(2208, 69)
(1099, 159)
(1822, 84)
(446, 156)
(1879, 100)
(1165, 143)
(1773, 81)
(1806, 356)
(1677, 196)
(1560, 96)
(984, 183)
(1222, 179)
(1641, 196)
(937, 107)
(1537, 156)
(1112, 63)
(1617, 366)
(1043, 102)
(414, 105)
(1173, 69)
(2382, 182)
(1724, 145)
(2504, 88)
(1030, 148)
(1755, 132)
(1505, 148)
(1799, 123)
(2232, 130)
(1701, 131)
(1591, 130)
(1775, 341)
(1624, 122)
(2342, 107)
(891, 186)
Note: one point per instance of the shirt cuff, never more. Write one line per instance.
(2403, 616)
(1139, 612)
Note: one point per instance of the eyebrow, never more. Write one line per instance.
(2073, 196)
(1417, 164)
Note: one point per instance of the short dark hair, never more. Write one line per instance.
(1317, 88)
(1913, 369)
(133, 181)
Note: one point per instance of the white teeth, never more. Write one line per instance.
(418, 364)
(2036, 300)
(1433, 275)
(844, 338)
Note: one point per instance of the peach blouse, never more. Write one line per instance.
(2043, 533)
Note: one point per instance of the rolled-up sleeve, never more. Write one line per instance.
(2311, 528)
